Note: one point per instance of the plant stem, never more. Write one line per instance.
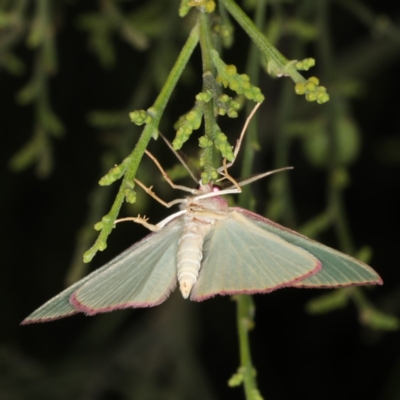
(245, 315)
(209, 118)
(335, 205)
(245, 305)
(277, 60)
(150, 130)
(250, 142)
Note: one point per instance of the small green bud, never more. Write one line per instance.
(246, 85)
(205, 177)
(205, 142)
(191, 116)
(233, 86)
(204, 96)
(210, 6)
(311, 96)
(300, 88)
(305, 65)
(259, 98)
(322, 98)
(310, 86)
(130, 195)
(249, 95)
(314, 80)
(102, 245)
(106, 220)
(214, 174)
(177, 144)
(230, 70)
(235, 380)
(98, 226)
(140, 117)
(184, 8)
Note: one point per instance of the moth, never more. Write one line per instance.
(210, 249)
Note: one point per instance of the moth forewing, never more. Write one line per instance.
(144, 277)
(240, 257)
(150, 263)
(338, 269)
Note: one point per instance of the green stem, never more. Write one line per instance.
(282, 141)
(336, 207)
(245, 315)
(245, 305)
(277, 60)
(209, 118)
(150, 130)
(251, 140)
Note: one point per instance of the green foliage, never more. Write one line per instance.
(108, 119)
(228, 77)
(317, 142)
(328, 302)
(225, 30)
(101, 27)
(379, 320)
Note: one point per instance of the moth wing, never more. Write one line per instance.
(142, 276)
(338, 269)
(59, 306)
(241, 257)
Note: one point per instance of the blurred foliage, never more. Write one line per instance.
(46, 51)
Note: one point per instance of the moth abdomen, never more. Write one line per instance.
(190, 254)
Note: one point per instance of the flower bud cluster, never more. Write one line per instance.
(239, 83)
(312, 90)
(186, 124)
(140, 117)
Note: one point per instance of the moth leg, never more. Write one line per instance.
(167, 178)
(229, 177)
(239, 141)
(151, 227)
(150, 192)
(140, 220)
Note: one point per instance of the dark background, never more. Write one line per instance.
(181, 349)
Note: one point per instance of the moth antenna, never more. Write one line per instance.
(260, 176)
(239, 141)
(179, 157)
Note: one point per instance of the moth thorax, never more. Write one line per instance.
(215, 203)
(190, 254)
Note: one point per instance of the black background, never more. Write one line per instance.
(181, 349)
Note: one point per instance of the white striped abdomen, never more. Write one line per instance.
(190, 252)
